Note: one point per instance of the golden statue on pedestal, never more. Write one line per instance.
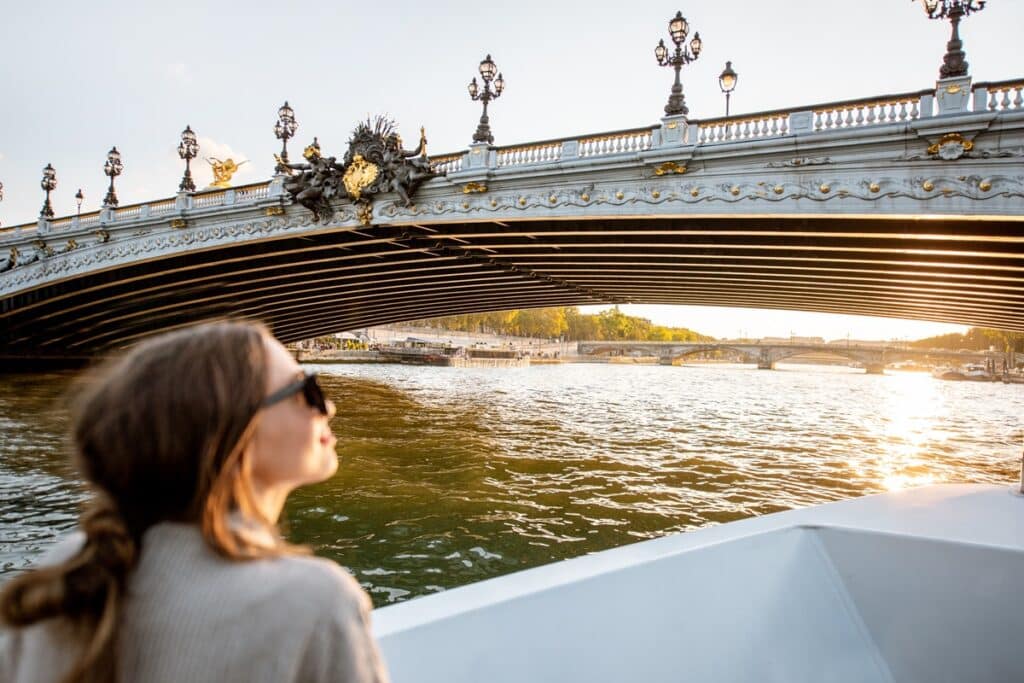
(222, 171)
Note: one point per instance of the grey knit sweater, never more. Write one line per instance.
(194, 616)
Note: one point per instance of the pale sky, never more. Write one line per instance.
(78, 78)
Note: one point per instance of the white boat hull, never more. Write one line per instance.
(919, 585)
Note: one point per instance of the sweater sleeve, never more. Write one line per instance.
(8, 648)
(342, 648)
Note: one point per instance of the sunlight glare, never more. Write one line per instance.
(914, 407)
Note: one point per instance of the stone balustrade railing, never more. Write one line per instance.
(161, 207)
(997, 97)
(133, 211)
(749, 127)
(537, 153)
(252, 192)
(245, 194)
(618, 142)
(871, 111)
(446, 163)
(1001, 96)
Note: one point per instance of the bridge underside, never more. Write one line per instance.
(952, 270)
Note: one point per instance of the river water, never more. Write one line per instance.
(451, 475)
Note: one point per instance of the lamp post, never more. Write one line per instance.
(954, 63)
(678, 29)
(112, 168)
(49, 184)
(79, 198)
(727, 82)
(487, 71)
(1, 194)
(188, 148)
(284, 130)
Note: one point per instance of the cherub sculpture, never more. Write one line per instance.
(316, 182)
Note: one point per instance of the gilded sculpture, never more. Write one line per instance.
(222, 171)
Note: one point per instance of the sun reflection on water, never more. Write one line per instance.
(915, 407)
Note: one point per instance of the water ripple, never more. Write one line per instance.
(450, 476)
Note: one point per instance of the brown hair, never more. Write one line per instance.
(159, 434)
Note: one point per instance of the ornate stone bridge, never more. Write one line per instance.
(874, 358)
(907, 205)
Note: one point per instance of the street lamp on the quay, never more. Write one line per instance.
(954, 63)
(678, 29)
(1, 194)
(284, 130)
(79, 198)
(49, 184)
(112, 168)
(727, 82)
(188, 148)
(487, 71)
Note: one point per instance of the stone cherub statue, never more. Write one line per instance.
(316, 182)
(407, 168)
(222, 171)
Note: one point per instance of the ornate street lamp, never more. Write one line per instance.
(487, 71)
(49, 184)
(678, 29)
(112, 169)
(727, 82)
(188, 148)
(954, 63)
(79, 198)
(284, 130)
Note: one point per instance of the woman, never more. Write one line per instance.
(191, 443)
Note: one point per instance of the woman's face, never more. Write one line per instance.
(293, 444)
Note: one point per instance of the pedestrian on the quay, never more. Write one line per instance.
(190, 444)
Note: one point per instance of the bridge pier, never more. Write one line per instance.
(665, 360)
(874, 368)
(765, 365)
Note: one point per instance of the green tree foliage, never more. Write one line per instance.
(975, 339)
(568, 322)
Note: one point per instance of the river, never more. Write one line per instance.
(450, 476)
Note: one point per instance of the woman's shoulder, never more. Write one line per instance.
(322, 580)
(63, 549)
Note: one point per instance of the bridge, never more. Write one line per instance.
(903, 205)
(873, 357)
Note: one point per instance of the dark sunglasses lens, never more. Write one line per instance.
(314, 395)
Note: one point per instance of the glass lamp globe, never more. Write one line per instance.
(727, 81)
(661, 52)
(678, 28)
(488, 69)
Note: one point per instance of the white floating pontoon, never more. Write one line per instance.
(918, 585)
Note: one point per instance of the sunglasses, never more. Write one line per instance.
(311, 393)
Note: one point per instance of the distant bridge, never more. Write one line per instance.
(907, 206)
(873, 358)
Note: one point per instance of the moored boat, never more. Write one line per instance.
(972, 372)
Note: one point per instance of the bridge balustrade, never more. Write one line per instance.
(1003, 96)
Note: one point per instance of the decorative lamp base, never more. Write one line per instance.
(953, 94)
